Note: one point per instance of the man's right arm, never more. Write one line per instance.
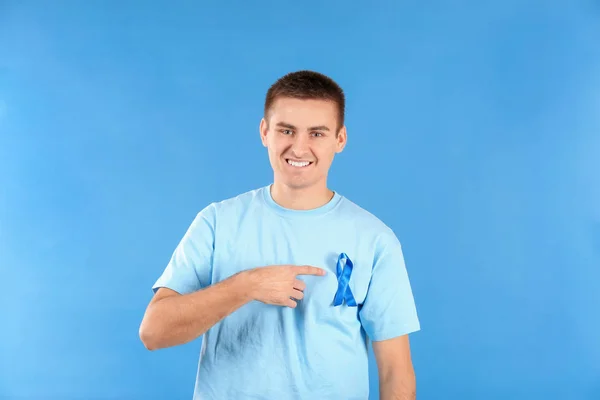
(172, 319)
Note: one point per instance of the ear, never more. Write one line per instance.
(264, 128)
(341, 139)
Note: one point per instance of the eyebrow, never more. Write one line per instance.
(312, 128)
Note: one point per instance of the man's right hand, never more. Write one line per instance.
(278, 284)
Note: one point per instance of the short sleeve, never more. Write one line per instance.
(389, 308)
(189, 268)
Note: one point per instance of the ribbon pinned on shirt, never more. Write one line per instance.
(344, 270)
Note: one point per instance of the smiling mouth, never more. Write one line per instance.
(298, 164)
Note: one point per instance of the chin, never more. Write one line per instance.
(293, 182)
(299, 184)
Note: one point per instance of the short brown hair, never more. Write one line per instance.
(307, 85)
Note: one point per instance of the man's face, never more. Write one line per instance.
(300, 136)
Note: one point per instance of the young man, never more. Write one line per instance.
(286, 282)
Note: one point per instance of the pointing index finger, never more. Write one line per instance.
(309, 270)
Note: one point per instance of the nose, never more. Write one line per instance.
(300, 147)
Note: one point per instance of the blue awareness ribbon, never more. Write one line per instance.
(343, 271)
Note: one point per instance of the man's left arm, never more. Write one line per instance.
(388, 315)
(396, 373)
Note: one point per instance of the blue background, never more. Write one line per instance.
(474, 132)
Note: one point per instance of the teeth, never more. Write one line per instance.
(298, 164)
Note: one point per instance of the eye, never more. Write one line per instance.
(286, 131)
(318, 134)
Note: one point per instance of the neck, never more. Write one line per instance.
(300, 198)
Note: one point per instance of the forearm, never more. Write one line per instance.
(398, 387)
(176, 320)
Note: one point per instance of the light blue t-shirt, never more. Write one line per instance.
(316, 350)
